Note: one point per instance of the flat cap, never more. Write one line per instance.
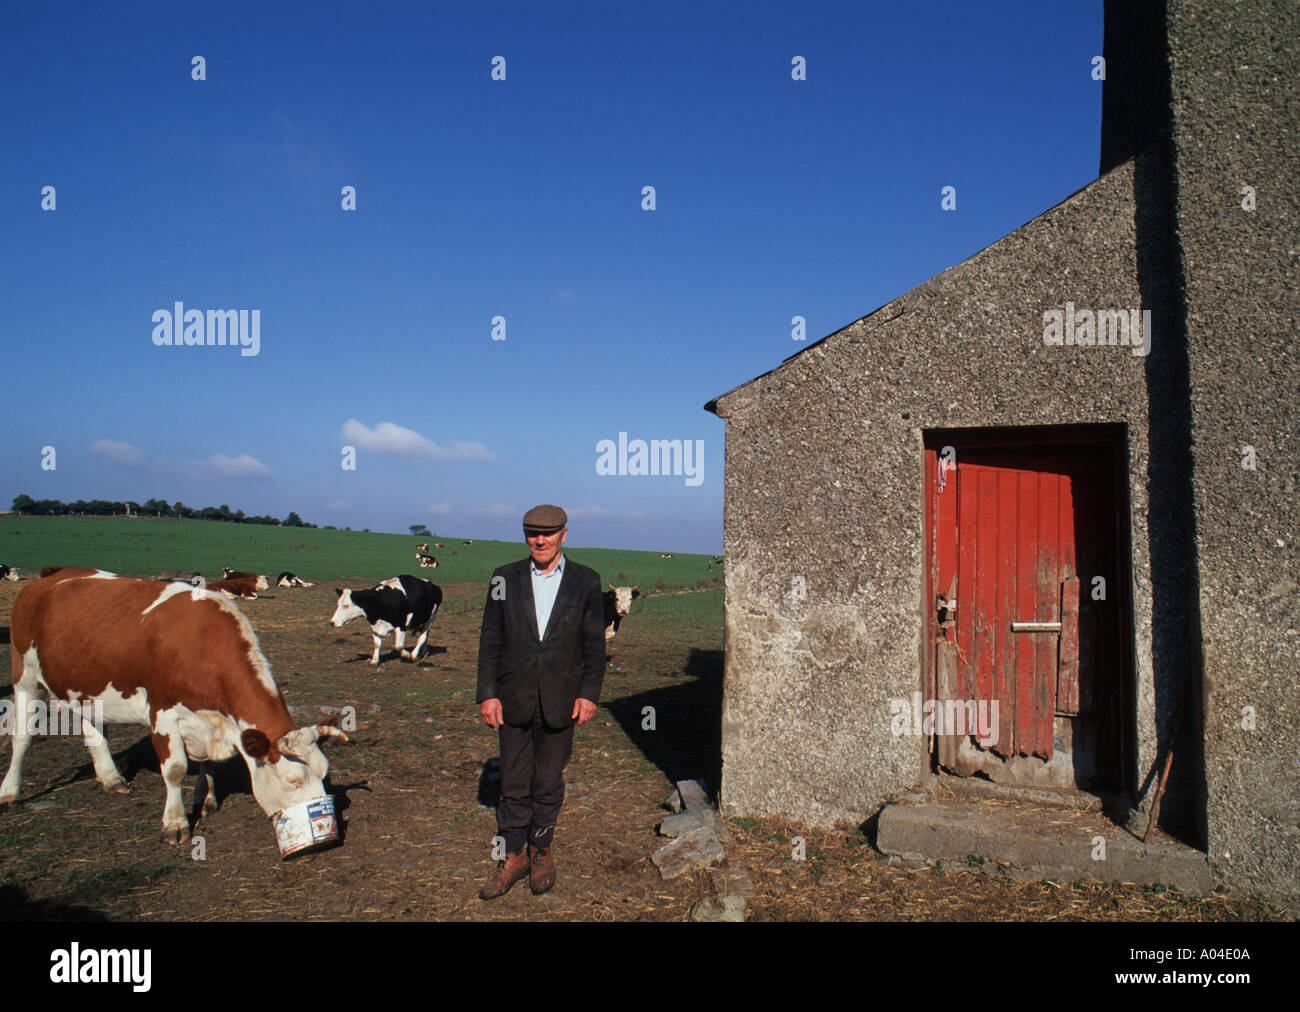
(544, 520)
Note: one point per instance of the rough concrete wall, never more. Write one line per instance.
(825, 512)
(1236, 94)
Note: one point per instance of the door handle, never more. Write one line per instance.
(1036, 627)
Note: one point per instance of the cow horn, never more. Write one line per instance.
(637, 585)
(285, 748)
(330, 731)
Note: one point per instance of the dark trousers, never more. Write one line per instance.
(533, 758)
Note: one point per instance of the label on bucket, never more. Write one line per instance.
(306, 825)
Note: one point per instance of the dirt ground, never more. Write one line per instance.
(411, 787)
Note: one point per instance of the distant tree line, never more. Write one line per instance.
(27, 506)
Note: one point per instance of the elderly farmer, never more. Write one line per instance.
(541, 661)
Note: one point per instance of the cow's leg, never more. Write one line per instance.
(399, 641)
(170, 747)
(424, 638)
(26, 688)
(102, 758)
(207, 790)
(424, 633)
(378, 642)
(13, 782)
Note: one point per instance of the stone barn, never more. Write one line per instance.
(998, 549)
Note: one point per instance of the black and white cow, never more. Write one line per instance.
(426, 561)
(8, 573)
(404, 604)
(618, 603)
(290, 580)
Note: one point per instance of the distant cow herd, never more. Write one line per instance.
(224, 701)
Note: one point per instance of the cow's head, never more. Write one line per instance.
(346, 610)
(623, 598)
(289, 771)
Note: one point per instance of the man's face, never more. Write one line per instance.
(545, 548)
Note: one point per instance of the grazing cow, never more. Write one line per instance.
(233, 574)
(400, 605)
(467, 542)
(717, 559)
(421, 548)
(426, 561)
(181, 661)
(438, 544)
(8, 573)
(618, 603)
(290, 580)
(240, 586)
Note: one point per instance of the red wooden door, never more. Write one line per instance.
(1022, 567)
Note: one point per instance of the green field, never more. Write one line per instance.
(144, 546)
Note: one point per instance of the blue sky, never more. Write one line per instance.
(475, 198)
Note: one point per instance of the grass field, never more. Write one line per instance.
(144, 546)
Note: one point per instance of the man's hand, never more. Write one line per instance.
(583, 710)
(490, 711)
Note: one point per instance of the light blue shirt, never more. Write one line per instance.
(545, 588)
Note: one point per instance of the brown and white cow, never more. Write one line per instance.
(238, 586)
(426, 561)
(618, 603)
(181, 661)
(260, 582)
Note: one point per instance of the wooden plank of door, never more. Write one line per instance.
(1067, 682)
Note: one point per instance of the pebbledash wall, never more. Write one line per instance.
(824, 508)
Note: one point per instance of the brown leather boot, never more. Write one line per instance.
(508, 872)
(541, 870)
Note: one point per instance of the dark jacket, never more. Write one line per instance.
(567, 663)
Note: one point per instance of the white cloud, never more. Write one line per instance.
(234, 467)
(216, 466)
(440, 509)
(219, 464)
(603, 513)
(590, 513)
(389, 438)
(499, 509)
(119, 453)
